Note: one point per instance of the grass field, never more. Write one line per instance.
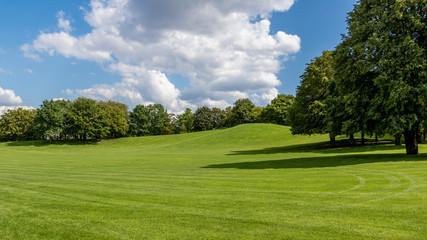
(249, 182)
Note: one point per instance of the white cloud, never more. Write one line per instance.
(63, 24)
(5, 71)
(28, 70)
(219, 45)
(8, 98)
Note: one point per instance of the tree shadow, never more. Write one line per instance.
(343, 146)
(41, 143)
(322, 162)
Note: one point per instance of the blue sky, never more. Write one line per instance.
(140, 52)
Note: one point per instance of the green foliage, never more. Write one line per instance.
(203, 119)
(307, 114)
(85, 119)
(276, 111)
(242, 112)
(381, 68)
(139, 121)
(16, 125)
(152, 119)
(186, 121)
(115, 118)
(49, 122)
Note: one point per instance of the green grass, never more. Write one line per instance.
(249, 182)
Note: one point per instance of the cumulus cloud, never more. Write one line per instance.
(225, 49)
(8, 98)
(63, 23)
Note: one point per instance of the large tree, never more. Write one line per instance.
(385, 57)
(86, 119)
(17, 124)
(203, 119)
(307, 114)
(115, 118)
(242, 112)
(49, 122)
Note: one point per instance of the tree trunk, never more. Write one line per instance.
(331, 138)
(398, 140)
(376, 138)
(363, 138)
(351, 137)
(411, 142)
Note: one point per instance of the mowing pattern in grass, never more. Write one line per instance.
(249, 182)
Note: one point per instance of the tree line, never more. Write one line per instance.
(88, 119)
(374, 82)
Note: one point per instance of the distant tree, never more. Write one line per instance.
(16, 125)
(49, 122)
(307, 114)
(218, 118)
(158, 119)
(139, 121)
(257, 111)
(115, 118)
(203, 119)
(228, 115)
(186, 121)
(86, 120)
(242, 112)
(276, 111)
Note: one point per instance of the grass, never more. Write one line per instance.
(253, 181)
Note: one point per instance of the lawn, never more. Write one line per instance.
(254, 181)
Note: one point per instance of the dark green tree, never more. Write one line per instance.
(242, 112)
(49, 122)
(307, 114)
(383, 58)
(139, 122)
(203, 119)
(16, 125)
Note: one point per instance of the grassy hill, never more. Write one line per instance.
(254, 181)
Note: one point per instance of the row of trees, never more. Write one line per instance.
(85, 118)
(375, 82)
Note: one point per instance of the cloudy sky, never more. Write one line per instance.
(185, 53)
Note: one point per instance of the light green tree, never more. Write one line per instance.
(16, 125)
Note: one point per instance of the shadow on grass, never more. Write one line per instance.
(41, 143)
(322, 162)
(325, 147)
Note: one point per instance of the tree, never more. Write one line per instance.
(158, 119)
(307, 114)
(276, 111)
(242, 112)
(115, 118)
(203, 119)
(385, 52)
(85, 119)
(152, 119)
(16, 125)
(139, 122)
(49, 122)
(186, 121)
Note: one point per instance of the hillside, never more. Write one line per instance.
(254, 181)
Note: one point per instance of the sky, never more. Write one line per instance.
(187, 53)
